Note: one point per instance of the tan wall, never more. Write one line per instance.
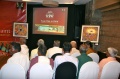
(110, 27)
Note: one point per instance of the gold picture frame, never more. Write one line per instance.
(20, 30)
(90, 33)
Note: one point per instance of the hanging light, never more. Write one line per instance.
(50, 3)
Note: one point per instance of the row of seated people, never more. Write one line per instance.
(56, 49)
(42, 57)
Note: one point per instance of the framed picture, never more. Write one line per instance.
(90, 33)
(20, 30)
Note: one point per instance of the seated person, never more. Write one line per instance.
(74, 51)
(89, 47)
(34, 52)
(83, 58)
(55, 49)
(65, 57)
(18, 57)
(41, 58)
(24, 51)
(110, 53)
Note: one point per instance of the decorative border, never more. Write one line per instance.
(20, 30)
(90, 33)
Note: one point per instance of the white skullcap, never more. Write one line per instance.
(112, 51)
(40, 41)
(73, 42)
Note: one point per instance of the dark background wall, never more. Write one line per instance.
(76, 16)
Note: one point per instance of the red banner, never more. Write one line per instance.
(11, 12)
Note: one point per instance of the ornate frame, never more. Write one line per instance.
(90, 33)
(20, 29)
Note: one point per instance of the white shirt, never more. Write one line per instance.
(64, 58)
(21, 59)
(43, 59)
(34, 53)
(24, 50)
(75, 52)
(52, 51)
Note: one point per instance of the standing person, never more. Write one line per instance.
(18, 57)
(111, 53)
(83, 58)
(89, 47)
(55, 49)
(74, 51)
(24, 47)
(34, 52)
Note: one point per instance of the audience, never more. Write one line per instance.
(17, 57)
(34, 52)
(55, 49)
(66, 57)
(89, 47)
(111, 53)
(20, 53)
(74, 51)
(83, 58)
(41, 58)
(25, 51)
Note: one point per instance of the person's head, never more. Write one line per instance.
(73, 44)
(83, 48)
(112, 52)
(56, 43)
(22, 41)
(42, 50)
(67, 47)
(40, 41)
(89, 44)
(15, 47)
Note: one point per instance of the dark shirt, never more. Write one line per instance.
(83, 58)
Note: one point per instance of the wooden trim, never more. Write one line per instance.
(103, 3)
(111, 7)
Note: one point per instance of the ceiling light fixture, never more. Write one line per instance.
(50, 3)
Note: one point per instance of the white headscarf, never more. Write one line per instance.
(112, 51)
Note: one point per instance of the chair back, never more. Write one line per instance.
(94, 56)
(66, 70)
(89, 70)
(111, 70)
(12, 71)
(53, 57)
(41, 71)
(0, 74)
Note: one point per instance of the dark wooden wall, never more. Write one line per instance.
(110, 27)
